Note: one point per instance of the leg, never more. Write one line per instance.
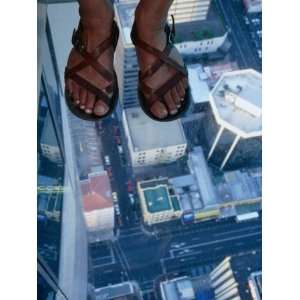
(96, 18)
(150, 17)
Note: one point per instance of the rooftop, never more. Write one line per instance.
(198, 167)
(198, 84)
(117, 291)
(200, 30)
(96, 192)
(158, 133)
(242, 266)
(255, 284)
(157, 197)
(186, 288)
(236, 102)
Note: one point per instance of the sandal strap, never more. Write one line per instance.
(156, 65)
(162, 55)
(161, 91)
(91, 88)
(90, 58)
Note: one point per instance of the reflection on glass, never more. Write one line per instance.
(50, 186)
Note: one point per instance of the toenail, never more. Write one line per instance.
(100, 110)
(88, 111)
(82, 106)
(77, 101)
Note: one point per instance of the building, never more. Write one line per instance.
(227, 281)
(125, 56)
(255, 285)
(98, 206)
(206, 194)
(128, 290)
(230, 279)
(186, 288)
(233, 122)
(189, 11)
(203, 36)
(158, 203)
(49, 146)
(193, 38)
(62, 243)
(158, 145)
(252, 6)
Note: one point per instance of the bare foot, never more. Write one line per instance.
(154, 35)
(94, 32)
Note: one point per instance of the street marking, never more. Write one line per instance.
(212, 242)
(237, 230)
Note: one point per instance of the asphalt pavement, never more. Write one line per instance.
(243, 48)
(143, 258)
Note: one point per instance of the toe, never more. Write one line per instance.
(89, 106)
(159, 110)
(69, 86)
(101, 108)
(170, 103)
(185, 83)
(176, 97)
(75, 93)
(83, 94)
(180, 90)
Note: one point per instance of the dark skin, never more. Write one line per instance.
(150, 16)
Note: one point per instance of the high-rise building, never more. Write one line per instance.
(230, 279)
(189, 11)
(125, 56)
(233, 121)
(255, 285)
(157, 203)
(49, 146)
(62, 243)
(227, 281)
(158, 145)
(98, 206)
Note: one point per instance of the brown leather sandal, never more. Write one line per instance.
(162, 58)
(90, 59)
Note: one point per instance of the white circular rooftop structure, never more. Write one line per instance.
(236, 102)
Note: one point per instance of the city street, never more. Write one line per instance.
(243, 48)
(191, 249)
(119, 171)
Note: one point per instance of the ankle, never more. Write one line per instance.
(97, 25)
(151, 22)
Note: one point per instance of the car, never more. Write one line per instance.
(115, 197)
(131, 198)
(107, 160)
(118, 140)
(120, 149)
